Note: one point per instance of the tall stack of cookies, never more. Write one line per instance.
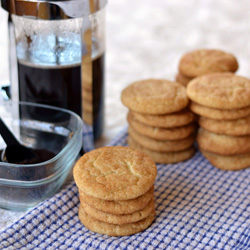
(116, 186)
(222, 100)
(159, 122)
(204, 61)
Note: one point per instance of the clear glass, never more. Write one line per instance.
(55, 129)
(61, 63)
(93, 73)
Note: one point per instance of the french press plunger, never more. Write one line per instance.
(57, 52)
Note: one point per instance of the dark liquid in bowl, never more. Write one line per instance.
(42, 155)
(27, 173)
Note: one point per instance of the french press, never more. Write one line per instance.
(57, 52)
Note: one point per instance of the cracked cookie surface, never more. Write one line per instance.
(155, 96)
(115, 173)
(205, 61)
(220, 90)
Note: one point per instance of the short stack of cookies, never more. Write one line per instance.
(159, 122)
(116, 187)
(204, 61)
(222, 100)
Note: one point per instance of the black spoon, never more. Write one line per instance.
(15, 152)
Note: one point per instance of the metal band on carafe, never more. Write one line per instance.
(52, 9)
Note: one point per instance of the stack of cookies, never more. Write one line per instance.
(116, 186)
(87, 96)
(87, 81)
(159, 122)
(204, 61)
(222, 100)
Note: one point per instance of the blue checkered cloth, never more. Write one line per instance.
(197, 206)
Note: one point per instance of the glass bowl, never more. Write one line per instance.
(54, 130)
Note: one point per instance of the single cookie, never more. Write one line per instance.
(161, 146)
(220, 90)
(205, 61)
(219, 114)
(184, 80)
(164, 157)
(233, 127)
(113, 229)
(177, 119)
(228, 162)
(155, 96)
(120, 206)
(161, 133)
(121, 218)
(115, 173)
(223, 144)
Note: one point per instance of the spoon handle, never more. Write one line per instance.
(7, 135)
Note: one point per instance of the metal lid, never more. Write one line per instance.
(53, 9)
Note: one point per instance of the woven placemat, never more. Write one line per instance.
(197, 206)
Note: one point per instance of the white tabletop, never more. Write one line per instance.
(146, 38)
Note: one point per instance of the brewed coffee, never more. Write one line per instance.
(58, 86)
(61, 86)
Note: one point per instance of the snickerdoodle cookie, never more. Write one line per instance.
(164, 157)
(161, 146)
(219, 114)
(121, 218)
(203, 61)
(154, 96)
(220, 90)
(115, 173)
(223, 144)
(119, 206)
(227, 127)
(158, 133)
(228, 162)
(114, 229)
(176, 119)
